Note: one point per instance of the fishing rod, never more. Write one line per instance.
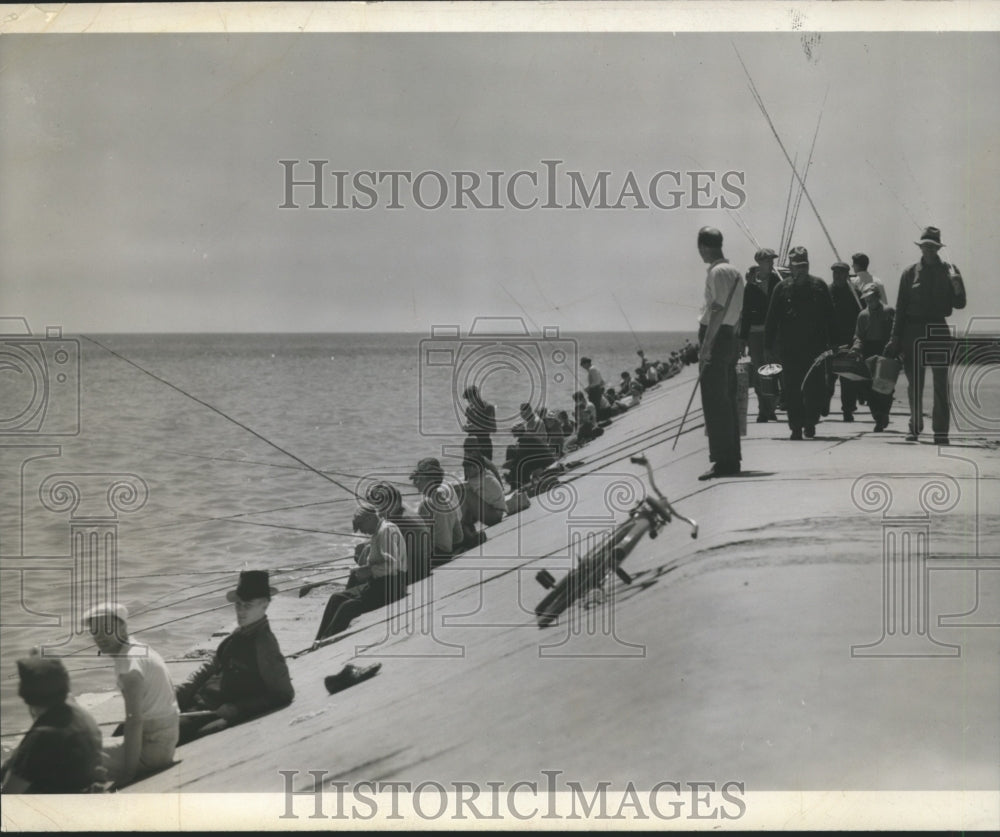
(767, 116)
(805, 173)
(216, 410)
(634, 336)
(784, 222)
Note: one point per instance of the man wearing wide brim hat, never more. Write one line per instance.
(929, 291)
(247, 676)
(800, 322)
(61, 753)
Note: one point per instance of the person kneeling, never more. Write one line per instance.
(380, 577)
(246, 677)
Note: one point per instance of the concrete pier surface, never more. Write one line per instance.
(825, 651)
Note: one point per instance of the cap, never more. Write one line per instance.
(764, 253)
(44, 680)
(869, 290)
(930, 235)
(798, 255)
(428, 467)
(105, 609)
(253, 585)
(840, 266)
(709, 237)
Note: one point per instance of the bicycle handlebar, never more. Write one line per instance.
(642, 460)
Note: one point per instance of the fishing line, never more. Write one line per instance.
(216, 410)
(627, 322)
(897, 197)
(805, 173)
(788, 204)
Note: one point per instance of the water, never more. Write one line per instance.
(219, 497)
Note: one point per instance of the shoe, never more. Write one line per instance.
(796, 435)
(912, 437)
(349, 675)
(879, 427)
(810, 431)
(941, 440)
(848, 417)
(718, 470)
(762, 419)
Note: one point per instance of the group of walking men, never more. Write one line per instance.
(795, 320)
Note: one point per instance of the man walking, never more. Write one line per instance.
(761, 280)
(846, 308)
(718, 355)
(799, 319)
(928, 292)
(872, 330)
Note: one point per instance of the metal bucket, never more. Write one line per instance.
(885, 375)
(769, 380)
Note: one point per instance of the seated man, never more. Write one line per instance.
(416, 531)
(152, 718)
(440, 507)
(482, 500)
(533, 452)
(246, 677)
(379, 579)
(61, 753)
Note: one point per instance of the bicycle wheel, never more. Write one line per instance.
(590, 572)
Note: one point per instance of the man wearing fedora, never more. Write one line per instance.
(800, 322)
(61, 753)
(928, 293)
(151, 725)
(718, 355)
(761, 280)
(247, 676)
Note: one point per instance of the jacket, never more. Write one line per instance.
(801, 316)
(248, 671)
(755, 300)
(926, 295)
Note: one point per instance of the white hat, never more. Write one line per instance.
(106, 609)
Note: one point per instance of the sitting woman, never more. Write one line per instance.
(378, 579)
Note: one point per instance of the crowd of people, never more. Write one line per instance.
(805, 324)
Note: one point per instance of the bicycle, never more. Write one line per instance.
(648, 516)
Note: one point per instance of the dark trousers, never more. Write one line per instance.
(345, 605)
(765, 403)
(803, 407)
(919, 354)
(879, 403)
(849, 395)
(718, 400)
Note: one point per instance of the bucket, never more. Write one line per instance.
(769, 380)
(886, 372)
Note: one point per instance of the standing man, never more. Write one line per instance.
(480, 420)
(595, 386)
(718, 355)
(928, 292)
(800, 319)
(846, 308)
(859, 264)
(761, 280)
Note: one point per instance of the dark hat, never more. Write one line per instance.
(44, 680)
(709, 237)
(930, 235)
(840, 266)
(869, 290)
(428, 467)
(471, 391)
(798, 255)
(253, 585)
(764, 253)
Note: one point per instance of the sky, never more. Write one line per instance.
(142, 184)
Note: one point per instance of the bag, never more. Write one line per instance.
(849, 366)
(886, 371)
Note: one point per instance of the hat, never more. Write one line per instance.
(44, 680)
(709, 237)
(930, 235)
(764, 253)
(798, 255)
(840, 266)
(471, 391)
(105, 609)
(428, 467)
(253, 585)
(869, 290)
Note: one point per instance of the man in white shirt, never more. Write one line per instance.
(718, 355)
(859, 264)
